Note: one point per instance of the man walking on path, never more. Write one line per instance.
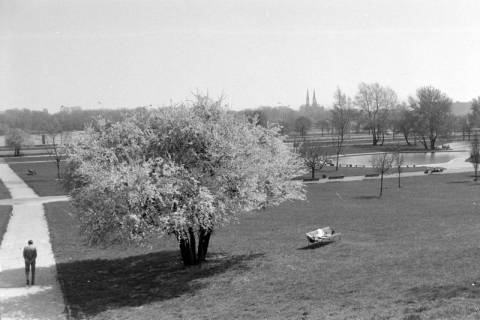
(30, 254)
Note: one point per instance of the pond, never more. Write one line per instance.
(454, 158)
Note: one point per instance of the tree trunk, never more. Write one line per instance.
(58, 169)
(406, 139)
(432, 142)
(399, 177)
(381, 185)
(424, 142)
(191, 254)
(192, 246)
(475, 166)
(313, 172)
(203, 240)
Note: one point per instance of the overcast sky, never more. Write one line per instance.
(105, 53)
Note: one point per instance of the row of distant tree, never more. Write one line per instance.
(67, 119)
(377, 110)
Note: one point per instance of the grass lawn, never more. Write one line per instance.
(413, 254)
(5, 213)
(45, 182)
(4, 193)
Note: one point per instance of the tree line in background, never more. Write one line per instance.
(67, 119)
(376, 110)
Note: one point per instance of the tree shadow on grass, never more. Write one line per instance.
(41, 301)
(314, 246)
(367, 197)
(93, 286)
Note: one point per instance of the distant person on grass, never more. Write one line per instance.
(30, 254)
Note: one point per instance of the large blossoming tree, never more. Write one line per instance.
(182, 171)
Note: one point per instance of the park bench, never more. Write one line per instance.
(433, 170)
(335, 177)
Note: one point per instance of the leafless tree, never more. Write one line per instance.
(382, 163)
(302, 125)
(315, 156)
(340, 117)
(375, 101)
(57, 147)
(431, 109)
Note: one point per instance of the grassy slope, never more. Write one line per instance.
(5, 213)
(45, 182)
(412, 253)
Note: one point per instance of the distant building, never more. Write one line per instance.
(314, 100)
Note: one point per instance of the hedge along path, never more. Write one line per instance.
(44, 300)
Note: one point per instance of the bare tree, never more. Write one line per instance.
(382, 163)
(302, 125)
(375, 101)
(57, 148)
(432, 112)
(475, 154)
(314, 155)
(57, 139)
(17, 138)
(474, 115)
(340, 119)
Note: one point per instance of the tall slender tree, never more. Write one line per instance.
(340, 117)
(382, 163)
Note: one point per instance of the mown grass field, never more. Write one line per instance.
(413, 254)
(44, 182)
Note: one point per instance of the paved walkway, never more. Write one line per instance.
(452, 166)
(44, 300)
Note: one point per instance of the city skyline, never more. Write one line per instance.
(256, 53)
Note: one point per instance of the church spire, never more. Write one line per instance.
(307, 103)
(314, 100)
